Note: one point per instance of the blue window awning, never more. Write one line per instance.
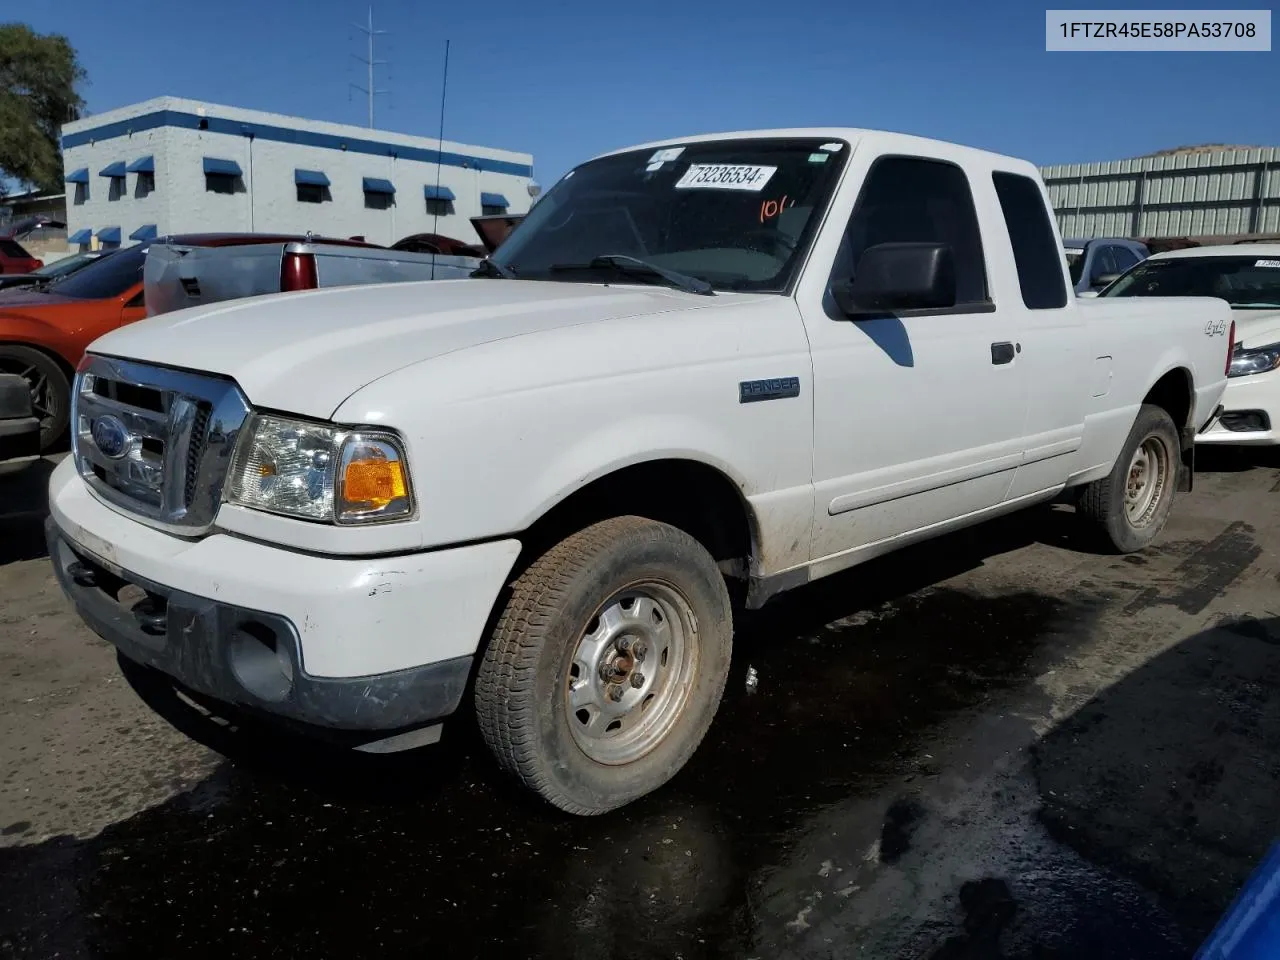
(109, 234)
(112, 169)
(494, 200)
(78, 176)
(376, 185)
(438, 193)
(314, 178)
(145, 232)
(145, 164)
(221, 168)
(80, 236)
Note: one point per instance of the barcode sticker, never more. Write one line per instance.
(725, 176)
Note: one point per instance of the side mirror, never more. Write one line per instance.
(1103, 279)
(900, 276)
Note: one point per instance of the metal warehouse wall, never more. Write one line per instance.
(1227, 192)
(268, 148)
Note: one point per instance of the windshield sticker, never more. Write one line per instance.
(1275, 264)
(670, 153)
(655, 165)
(818, 157)
(725, 176)
(832, 147)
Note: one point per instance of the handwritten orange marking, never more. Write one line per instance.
(771, 208)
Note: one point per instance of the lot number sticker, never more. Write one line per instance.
(725, 176)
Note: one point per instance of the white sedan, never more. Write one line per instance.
(1247, 276)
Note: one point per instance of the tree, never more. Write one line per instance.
(39, 76)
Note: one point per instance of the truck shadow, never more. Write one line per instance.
(1223, 459)
(1171, 775)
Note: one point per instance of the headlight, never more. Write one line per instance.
(319, 472)
(1245, 363)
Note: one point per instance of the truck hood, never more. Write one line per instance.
(307, 352)
(1257, 328)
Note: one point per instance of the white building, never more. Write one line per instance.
(177, 166)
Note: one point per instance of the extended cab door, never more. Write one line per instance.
(917, 415)
(1055, 357)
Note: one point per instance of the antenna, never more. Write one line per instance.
(370, 91)
(444, 88)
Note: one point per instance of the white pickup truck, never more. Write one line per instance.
(751, 358)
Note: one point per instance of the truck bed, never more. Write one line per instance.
(177, 276)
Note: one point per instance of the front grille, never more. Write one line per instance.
(195, 449)
(156, 442)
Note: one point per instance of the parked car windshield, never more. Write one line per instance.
(109, 277)
(1244, 282)
(738, 214)
(60, 268)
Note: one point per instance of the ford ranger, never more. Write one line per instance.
(739, 361)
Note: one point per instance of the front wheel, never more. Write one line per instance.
(1130, 506)
(607, 664)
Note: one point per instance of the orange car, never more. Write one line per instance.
(44, 331)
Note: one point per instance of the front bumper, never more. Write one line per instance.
(373, 645)
(1248, 401)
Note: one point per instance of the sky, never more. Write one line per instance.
(568, 80)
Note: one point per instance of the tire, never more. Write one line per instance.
(1129, 518)
(50, 391)
(543, 700)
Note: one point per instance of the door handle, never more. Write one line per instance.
(1002, 352)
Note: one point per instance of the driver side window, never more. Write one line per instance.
(909, 199)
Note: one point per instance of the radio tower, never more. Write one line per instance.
(370, 91)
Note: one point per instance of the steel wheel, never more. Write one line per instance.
(631, 673)
(1149, 473)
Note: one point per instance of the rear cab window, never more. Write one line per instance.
(1035, 247)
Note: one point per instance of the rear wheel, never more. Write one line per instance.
(50, 391)
(1131, 505)
(607, 665)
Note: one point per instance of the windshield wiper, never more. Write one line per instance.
(490, 268)
(633, 266)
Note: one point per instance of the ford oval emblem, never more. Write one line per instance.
(110, 436)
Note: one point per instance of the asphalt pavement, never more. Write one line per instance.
(997, 745)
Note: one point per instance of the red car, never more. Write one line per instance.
(14, 259)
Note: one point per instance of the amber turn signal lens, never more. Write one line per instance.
(373, 483)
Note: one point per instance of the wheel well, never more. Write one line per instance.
(696, 498)
(67, 369)
(1172, 392)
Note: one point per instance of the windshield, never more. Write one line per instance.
(1244, 282)
(1075, 264)
(110, 276)
(66, 265)
(736, 213)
